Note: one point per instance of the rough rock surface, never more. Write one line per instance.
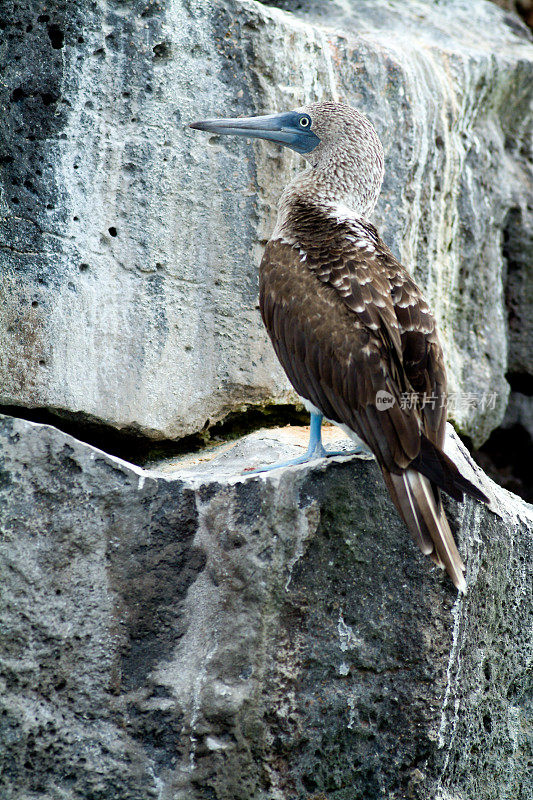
(192, 633)
(522, 7)
(130, 246)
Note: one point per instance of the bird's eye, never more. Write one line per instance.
(304, 122)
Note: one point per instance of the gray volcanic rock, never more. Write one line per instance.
(518, 253)
(130, 244)
(189, 632)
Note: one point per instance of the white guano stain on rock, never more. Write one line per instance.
(348, 639)
(452, 680)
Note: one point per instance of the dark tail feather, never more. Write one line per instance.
(420, 506)
(441, 470)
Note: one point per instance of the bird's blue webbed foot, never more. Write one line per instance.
(314, 450)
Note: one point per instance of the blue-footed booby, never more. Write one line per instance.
(349, 324)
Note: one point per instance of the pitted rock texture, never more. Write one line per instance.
(130, 244)
(190, 632)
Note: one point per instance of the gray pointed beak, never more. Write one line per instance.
(284, 129)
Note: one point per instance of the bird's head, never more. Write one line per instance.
(338, 141)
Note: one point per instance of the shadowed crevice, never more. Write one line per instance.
(506, 457)
(521, 382)
(138, 448)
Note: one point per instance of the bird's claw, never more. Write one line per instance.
(316, 455)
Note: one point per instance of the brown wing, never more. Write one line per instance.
(340, 355)
(422, 355)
